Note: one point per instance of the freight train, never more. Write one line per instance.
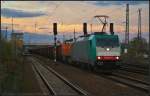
(96, 50)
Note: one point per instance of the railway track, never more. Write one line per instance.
(137, 65)
(135, 70)
(55, 83)
(131, 78)
(129, 81)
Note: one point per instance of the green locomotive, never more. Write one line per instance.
(97, 50)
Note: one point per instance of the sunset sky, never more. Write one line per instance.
(71, 14)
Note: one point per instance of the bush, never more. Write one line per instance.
(6, 51)
(136, 50)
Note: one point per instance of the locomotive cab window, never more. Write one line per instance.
(110, 42)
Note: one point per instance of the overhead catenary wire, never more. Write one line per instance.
(57, 6)
(120, 17)
(110, 12)
(55, 9)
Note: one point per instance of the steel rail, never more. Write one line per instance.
(51, 90)
(72, 86)
(129, 82)
(77, 89)
(130, 78)
(135, 70)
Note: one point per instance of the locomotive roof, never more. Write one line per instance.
(88, 36)
(97, 34)
(100, 33)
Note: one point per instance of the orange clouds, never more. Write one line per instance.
(70, 15)
(28, 25)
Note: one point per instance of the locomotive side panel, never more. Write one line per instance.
(80, 51)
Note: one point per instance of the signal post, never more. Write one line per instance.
(55, 39)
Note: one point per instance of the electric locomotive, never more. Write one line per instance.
(97, 50)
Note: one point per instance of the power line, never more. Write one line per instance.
(35, 27)
(57, 6)
(111, 12)
(131, 14)
(139, 24)
(127, 25)
(74, 34)
(115, 10)
(6, 33)
(12, 25)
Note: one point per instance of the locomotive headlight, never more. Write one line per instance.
(107, 49)
(98, 57)
(117, 57)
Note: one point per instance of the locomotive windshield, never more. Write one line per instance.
(112, 42)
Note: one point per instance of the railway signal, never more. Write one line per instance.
(55, 28)
(112, 28)
(55, 39)
(85, 28)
